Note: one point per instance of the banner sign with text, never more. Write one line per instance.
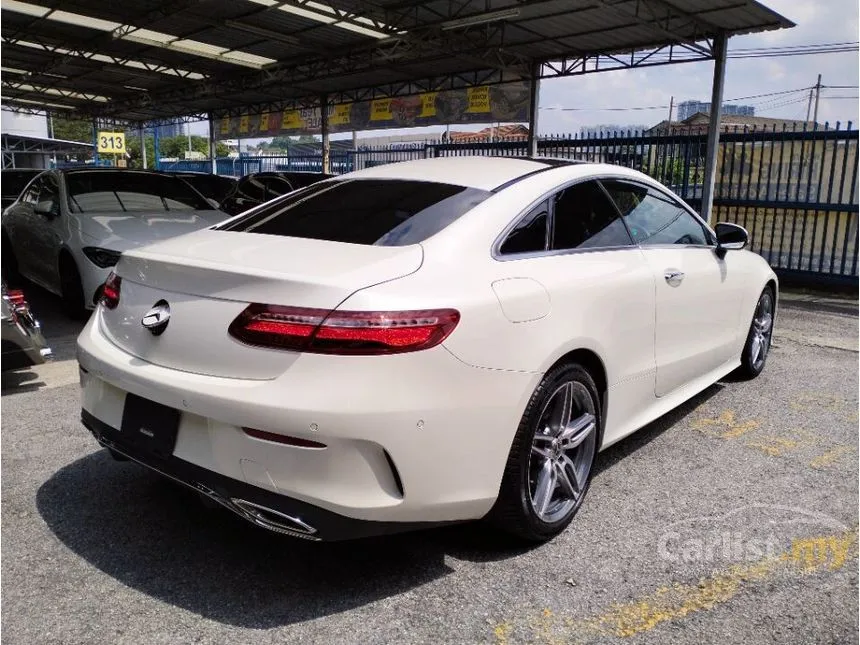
(483, 104)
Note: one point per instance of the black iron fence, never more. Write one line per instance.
(794, 190)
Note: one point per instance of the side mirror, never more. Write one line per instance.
(730, 237)
(213, 203)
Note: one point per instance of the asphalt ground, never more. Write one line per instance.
(732, 519)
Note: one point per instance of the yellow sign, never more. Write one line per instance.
(290, 119)
(428, 104)
(479, 99)
(111, 142)
(380, 110)
(340, 115)
(244, 123)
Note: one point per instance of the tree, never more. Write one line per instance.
(132, 146)
(169, 147)
(73, 130)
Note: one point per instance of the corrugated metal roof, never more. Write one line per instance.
(156, 60)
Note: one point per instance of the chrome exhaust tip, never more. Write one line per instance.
(273, 520)
(261, 516)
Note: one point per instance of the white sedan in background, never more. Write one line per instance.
(68, 227)
(420, 343)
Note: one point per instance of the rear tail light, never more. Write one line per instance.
(322, 331)
(110, 291)
(16, 298)
(19, 308)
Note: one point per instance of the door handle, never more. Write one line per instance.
(673, 277)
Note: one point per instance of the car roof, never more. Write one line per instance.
(484, 173)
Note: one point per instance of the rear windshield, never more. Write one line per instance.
(362, 211)
(105, 190)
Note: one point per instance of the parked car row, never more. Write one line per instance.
(67, 228)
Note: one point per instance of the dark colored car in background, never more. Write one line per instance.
(13, 181)
(214, 187)
(23, 343)
(259, 187)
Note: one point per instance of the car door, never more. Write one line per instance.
(697, 297)
(600, 288)
(45, 231)
(18, 222)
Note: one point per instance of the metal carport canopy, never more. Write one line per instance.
(156, 60)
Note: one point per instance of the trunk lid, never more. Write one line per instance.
(209, 277)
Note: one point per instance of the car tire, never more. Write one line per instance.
(10, 262)
(71, 288)
(543, 451)
(759, 337)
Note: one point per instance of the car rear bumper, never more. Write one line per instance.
(261, 507)
(423, 439)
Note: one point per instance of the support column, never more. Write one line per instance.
(326, 145)
(95, 143)
(143, 144)
(534, 104)
(212, 145)
(720, 45)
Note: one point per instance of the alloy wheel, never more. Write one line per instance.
(762, 329)
(562, 452)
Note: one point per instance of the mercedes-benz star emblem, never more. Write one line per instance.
(156, 319)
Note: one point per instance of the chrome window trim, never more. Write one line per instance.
(531, 255)
(495, 249)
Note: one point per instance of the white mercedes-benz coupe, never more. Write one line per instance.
(420, 343)
(68, 227)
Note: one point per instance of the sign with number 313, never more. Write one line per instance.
(112, 142)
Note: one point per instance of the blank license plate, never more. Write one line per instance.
(149, 426)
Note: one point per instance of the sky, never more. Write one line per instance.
(818, 21)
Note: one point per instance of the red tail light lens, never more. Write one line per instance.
(343, 332)
(16, 298)
(110, 291)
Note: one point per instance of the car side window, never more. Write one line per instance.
(655, 218)
(529, 235)
(49, 194)
(31, 193)
(585, 218)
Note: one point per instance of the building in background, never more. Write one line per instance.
(28, 125)
(687, 109)
(171, 130)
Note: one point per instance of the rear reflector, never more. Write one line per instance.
(281, 438)
(110, 291)
(343, 332)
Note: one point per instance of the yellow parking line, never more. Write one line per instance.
(676, 601)
(829, 457)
